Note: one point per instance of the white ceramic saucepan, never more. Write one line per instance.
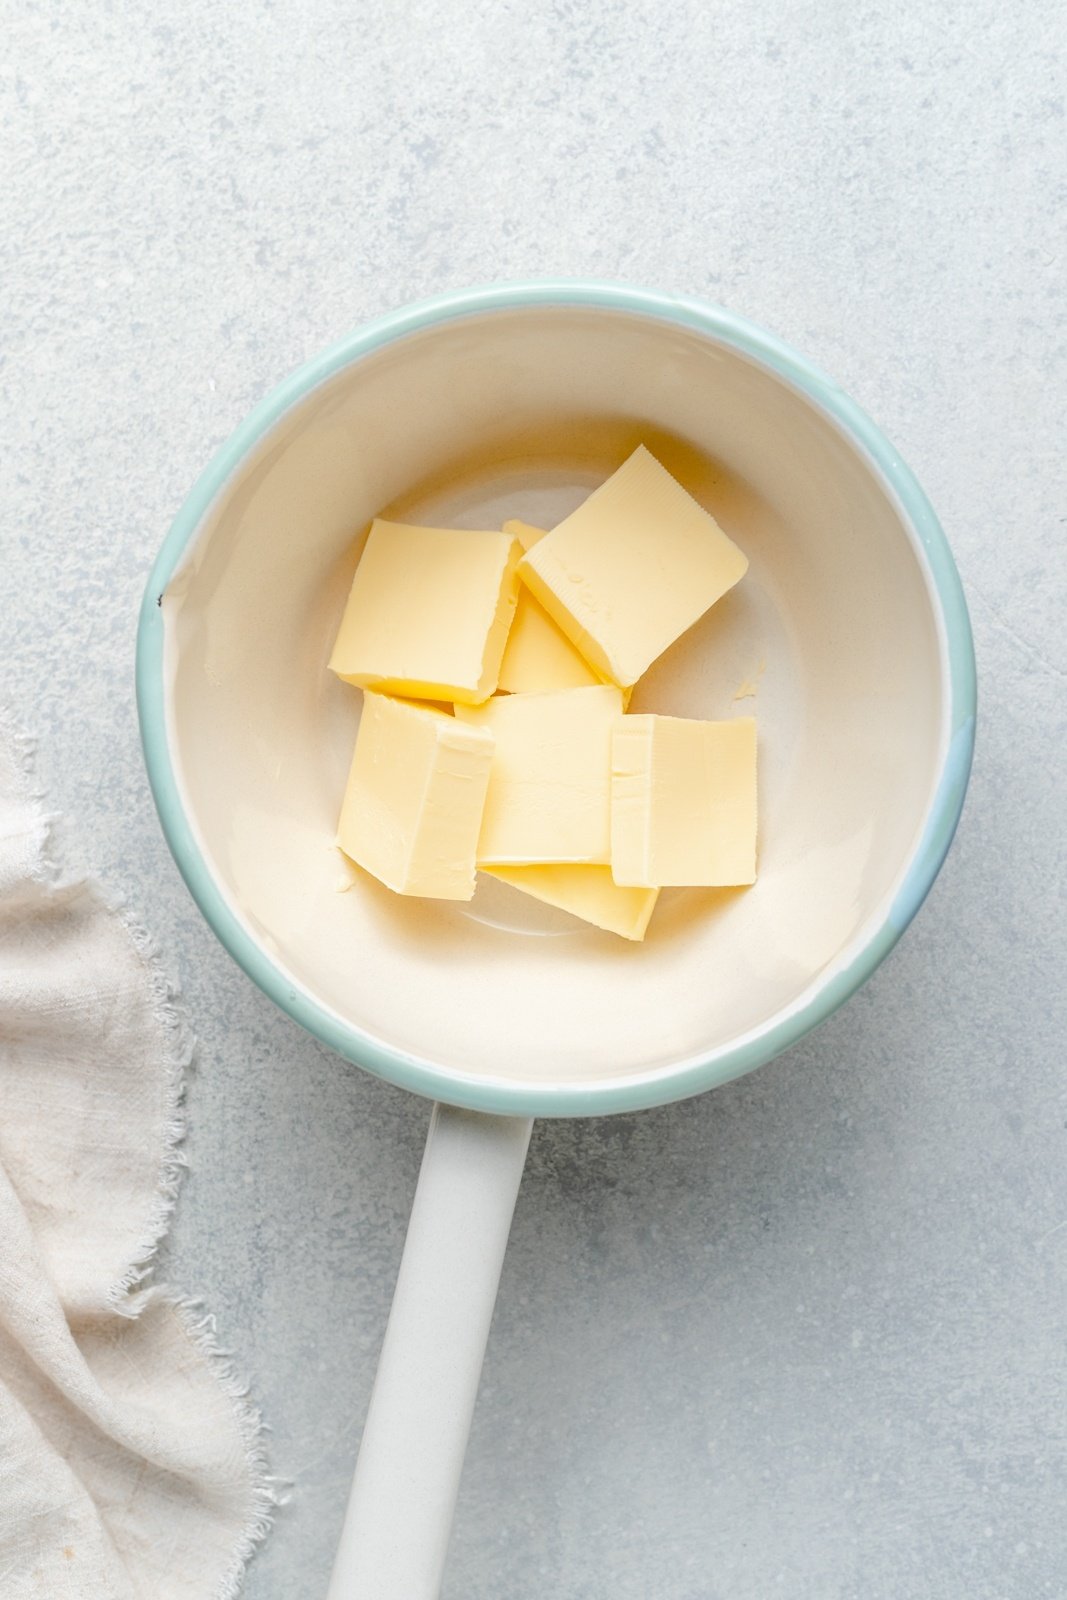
(848, 639)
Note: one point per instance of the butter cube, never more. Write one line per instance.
(549, 794)
(538, 655)
(429, 612)
(413, 805)
(635, 566)
(683, 802)
(586, 892)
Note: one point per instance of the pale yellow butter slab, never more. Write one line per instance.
(586, 892)
(549, 798)
(683, 802)
(416, 792)
(635, 566)
(429, 612)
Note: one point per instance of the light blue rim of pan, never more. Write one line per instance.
(827, 991)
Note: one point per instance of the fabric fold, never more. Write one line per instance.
(131, 1464)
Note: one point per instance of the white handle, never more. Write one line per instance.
(399, 1516)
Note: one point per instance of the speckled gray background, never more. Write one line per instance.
(804, 1337)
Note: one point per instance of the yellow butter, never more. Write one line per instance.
(524, 532)
(549, 796)
(586, 892)
(538, 655)
(635, 566)
(429, 612)
(683, 802)
(416, 791)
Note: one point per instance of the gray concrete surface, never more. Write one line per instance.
(806, 1336)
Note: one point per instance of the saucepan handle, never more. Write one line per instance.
(399, 1516)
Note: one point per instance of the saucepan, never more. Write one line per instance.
(848, 640)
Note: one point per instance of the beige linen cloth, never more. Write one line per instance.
(130, 1466)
